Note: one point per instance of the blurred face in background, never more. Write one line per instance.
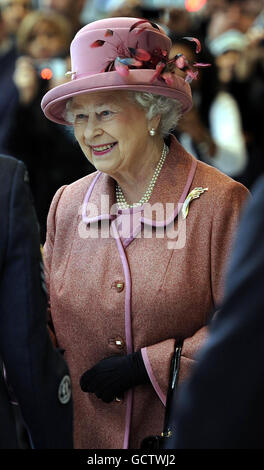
(68, 8)
(232, 14)
(45, 41)
(13, 12)
(242, 14)
(226, 64)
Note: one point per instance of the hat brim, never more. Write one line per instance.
(54, 101)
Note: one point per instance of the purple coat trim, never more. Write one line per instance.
(87, 197)
(151, 375)
(129, 341)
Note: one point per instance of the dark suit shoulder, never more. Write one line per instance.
(8, 168)
(248, 253)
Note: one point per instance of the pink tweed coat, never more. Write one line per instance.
(113, 292)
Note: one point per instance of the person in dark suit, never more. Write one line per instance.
(222, 406)
(33, 373)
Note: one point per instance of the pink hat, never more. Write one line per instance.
(120, 54)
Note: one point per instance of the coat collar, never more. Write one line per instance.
(172, 187)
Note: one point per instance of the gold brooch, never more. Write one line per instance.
(194, 194)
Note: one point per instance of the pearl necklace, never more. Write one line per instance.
(120, 198)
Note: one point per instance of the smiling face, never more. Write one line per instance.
(112, 131)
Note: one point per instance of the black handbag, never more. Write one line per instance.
(158, 441)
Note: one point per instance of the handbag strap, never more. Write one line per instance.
(174, 376)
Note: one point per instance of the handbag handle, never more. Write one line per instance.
(157, 442)
(174, 377)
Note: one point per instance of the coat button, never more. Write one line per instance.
(117, 342)
(118, 286)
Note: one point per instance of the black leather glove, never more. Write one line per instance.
(112, 376)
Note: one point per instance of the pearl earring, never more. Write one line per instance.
(152, 132)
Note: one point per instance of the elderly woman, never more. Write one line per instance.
(132, 263)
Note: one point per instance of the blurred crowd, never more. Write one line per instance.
(223, 128)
